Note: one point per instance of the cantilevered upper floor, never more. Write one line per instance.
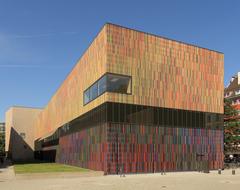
(134, 67)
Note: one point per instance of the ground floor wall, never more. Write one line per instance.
(127, 148)
(128, 138)
(141, 148)
(87, 148)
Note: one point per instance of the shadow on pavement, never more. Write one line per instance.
(5, 164)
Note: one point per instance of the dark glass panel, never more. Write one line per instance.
(166, 117)
(135, 114)
(175, 117)
(170, 117)
(86, 96)
(197, 119)
(156, 116)
(193, 119)
(122, 113)
(201, 121)
(184, 116)
(189, 115)
(163, 116)
(118, 83)
(102, 85)
(160, 114)
(128, 113)
(93, 91)
(109, 82)
(115, 112)
(180, 118)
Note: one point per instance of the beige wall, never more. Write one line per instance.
(20, 120)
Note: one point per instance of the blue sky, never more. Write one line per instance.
(40, 41)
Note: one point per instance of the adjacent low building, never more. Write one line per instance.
(2, 128)
(19, 142)
(2, 138)
(232, 92)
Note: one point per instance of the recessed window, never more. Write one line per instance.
(108, 83)
(119, 84)
(102, 85)
(94, 91)
(87, 96)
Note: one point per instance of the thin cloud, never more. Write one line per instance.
(31, 66)
(41, 35)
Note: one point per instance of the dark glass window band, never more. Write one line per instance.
(109, 82)
(120, 113)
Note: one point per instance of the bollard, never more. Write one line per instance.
(219, 171)
(233, 172)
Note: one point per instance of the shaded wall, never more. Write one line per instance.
(20, 132)
(19, 149)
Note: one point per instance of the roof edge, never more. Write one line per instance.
(163, 37)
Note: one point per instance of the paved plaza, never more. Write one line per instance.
(95, 180)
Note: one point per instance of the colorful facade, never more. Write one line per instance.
(136, 102)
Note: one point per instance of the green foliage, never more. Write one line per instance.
(231, 127)
(229, 110)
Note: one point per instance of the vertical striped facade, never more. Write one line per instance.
(165, 149)
(170, 120)
(165, 73)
